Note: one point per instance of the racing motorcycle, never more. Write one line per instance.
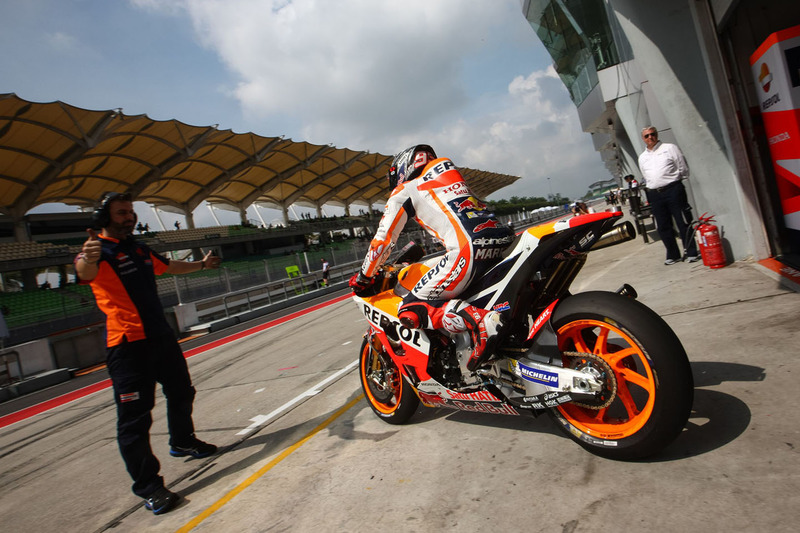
(606, 368)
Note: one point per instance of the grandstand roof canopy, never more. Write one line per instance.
(54, 152)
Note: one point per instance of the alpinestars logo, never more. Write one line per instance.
(486, 225)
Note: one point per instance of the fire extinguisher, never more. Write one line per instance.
(709, 242)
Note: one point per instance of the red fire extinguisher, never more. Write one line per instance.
(709, 242)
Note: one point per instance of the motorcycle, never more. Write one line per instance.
(608, 370)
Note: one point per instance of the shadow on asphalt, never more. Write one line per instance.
(717, 419)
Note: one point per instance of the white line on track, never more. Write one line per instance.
(260, 420)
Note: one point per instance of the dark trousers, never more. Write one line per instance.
(135, 367)
(636, 206)
(668, 204)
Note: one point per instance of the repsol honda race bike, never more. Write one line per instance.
(606, 368)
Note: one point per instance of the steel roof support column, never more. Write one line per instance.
(189, 215)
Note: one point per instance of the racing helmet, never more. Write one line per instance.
(409, 163)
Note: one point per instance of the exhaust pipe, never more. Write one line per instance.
(621, 233)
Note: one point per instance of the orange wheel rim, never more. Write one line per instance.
(636, 382)
(371, 364)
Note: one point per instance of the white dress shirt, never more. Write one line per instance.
(662, 165)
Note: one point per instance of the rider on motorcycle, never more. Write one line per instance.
(434, 192)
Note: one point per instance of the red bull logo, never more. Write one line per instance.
(471, 203)
(431, 399)
(489, 224)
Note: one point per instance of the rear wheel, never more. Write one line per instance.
(649, 388)
(387, 393)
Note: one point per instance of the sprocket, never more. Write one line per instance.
(599, 369)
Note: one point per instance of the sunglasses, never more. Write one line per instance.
(648, 135)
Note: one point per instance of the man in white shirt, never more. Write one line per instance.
(326, 271)
(663, 167)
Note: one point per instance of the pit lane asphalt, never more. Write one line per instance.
(326, 463)
(100, 374)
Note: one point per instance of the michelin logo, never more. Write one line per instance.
(538, 376)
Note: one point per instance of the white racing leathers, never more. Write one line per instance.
(442, 203)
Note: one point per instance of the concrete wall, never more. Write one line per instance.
(676, 63)
(29, 358)
(79, 348)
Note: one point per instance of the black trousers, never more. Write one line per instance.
(668, 204)
(135, 368)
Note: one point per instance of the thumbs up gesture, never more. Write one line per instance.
(92, 247)
(210, 260)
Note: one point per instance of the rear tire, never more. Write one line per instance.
(651, 380)
(386, 391)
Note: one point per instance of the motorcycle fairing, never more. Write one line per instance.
(412, 360)
(537, 249)
(540, 320)
(381, 313)
(433, 394)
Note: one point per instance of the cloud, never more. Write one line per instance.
(378, 75)
(65, 45)
(60, 40)
(351, 68)
(536, 135)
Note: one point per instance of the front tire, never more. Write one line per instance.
(650, 392)
(386, 391)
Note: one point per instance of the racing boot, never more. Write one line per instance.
(457, 316)
(482, 325)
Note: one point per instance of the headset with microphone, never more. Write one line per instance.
(101, 217)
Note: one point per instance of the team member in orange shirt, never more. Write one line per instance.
(141, 346)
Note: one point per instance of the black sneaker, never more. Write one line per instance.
(161, 501)
(196, 448)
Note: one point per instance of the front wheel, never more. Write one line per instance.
(387, 393)
(649, 387)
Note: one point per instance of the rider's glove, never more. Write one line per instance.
(360, 283)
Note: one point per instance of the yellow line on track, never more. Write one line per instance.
(266, 468)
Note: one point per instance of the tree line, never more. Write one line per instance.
(516, 204)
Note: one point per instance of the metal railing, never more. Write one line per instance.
(252, 282)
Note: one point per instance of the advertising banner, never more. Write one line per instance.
(776, 69)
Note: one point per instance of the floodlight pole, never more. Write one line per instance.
(258, 213)
(213, 214)
(158, 217)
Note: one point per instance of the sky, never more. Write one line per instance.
(468, 77)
